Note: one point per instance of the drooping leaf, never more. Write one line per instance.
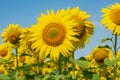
(82, 58)
(105, 46)
(106, 39)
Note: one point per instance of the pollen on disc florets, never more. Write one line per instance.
(54, 34)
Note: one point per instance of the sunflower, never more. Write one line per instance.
(5, 52)
(3, 70)
(22, 60)
(25, 44)
(13, 65)
(111, 18)
(100, 54)
(45, 70)
(52, 34)
(84, 28)
(11, 34)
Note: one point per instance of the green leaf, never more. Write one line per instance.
(24, 54)
(46, 77)
(36, 78)
(59, 77)
(106, 39)
(22, 78)
(1, 60)
(82, 58)
(110, 63)
(25, 67)
(81, 63)
(96, 77)
(30, 77)
(3, 77)
(9, 62)
(103, 66)
(105, 46)
(88, 74)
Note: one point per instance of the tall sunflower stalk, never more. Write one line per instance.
(16, 64)
(11, 36)
(115, 56)
(59, 65)
(111, 20)
(37, 59)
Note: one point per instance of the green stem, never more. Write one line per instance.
(37, 57)
(73, 67)
(16, 64)
(59, 65)
(115, 47)
(115, 55)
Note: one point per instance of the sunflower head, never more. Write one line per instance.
(99, 54)
(111, 18)
(5, 52)
(3, 70)
(13, 62)
(46, 70)
(53, 34)
(12, 34)
(25, 43)
(84, 27)
(23, 60)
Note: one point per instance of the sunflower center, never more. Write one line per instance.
(22, 59)
(115, 16)
(11, 65)
(100, 55)
(54, 34)
(13, 38)
(3, 52)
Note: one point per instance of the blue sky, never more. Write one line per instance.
(25, 12)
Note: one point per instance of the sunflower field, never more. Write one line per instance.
(45, 50)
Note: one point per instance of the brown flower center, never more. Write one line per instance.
(3, 52)
(100, 55)
(13, 38)
(115, 16)
(22, 59)
(54, 34)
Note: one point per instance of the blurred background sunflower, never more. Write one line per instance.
(84, 27)
(111, 18)
(11, 35)
(5, 52)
